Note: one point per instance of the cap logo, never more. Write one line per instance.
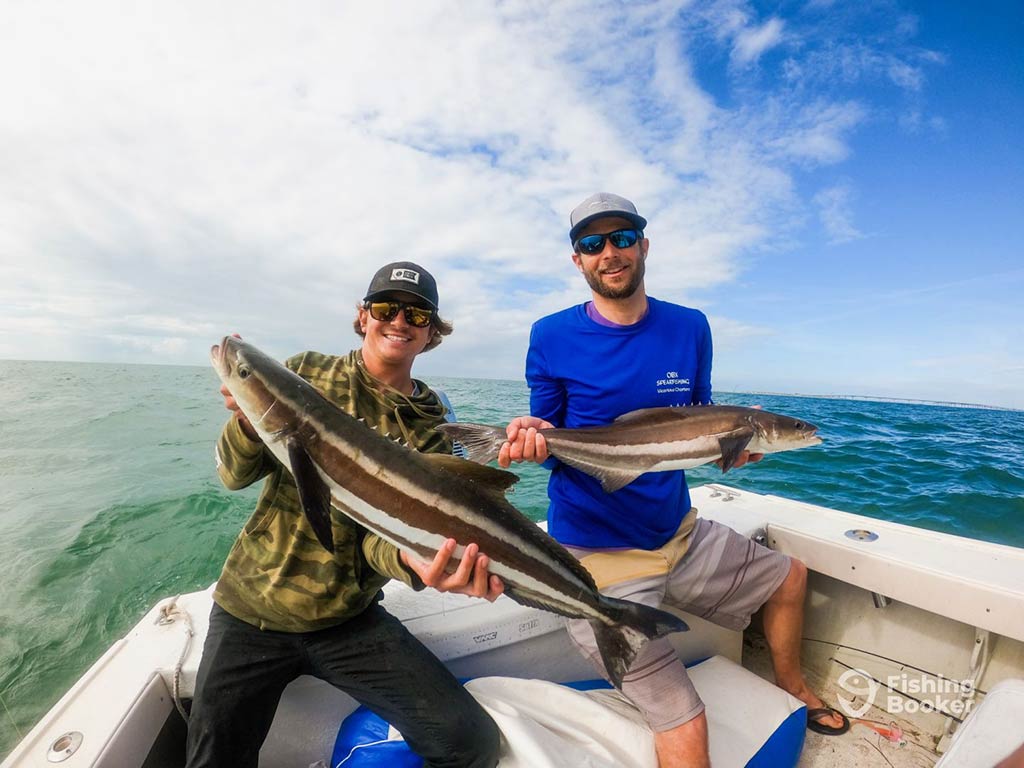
(408, 275)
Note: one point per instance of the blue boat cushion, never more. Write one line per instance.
(751, 722)
(362, 742)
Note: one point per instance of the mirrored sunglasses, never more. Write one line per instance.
(591, 245)
(386, 311)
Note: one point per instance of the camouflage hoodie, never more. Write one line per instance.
(277, 575)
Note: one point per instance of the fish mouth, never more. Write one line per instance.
(810, 434)
(219, 355)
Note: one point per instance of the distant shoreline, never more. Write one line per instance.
(881, 399)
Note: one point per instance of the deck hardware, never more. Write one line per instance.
(880, 600)
(727, 494)
(167, 611)
(861, 534)
(760, 537)
(64, 747)
(980, 655)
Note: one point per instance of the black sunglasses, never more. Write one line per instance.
(591, 245)
(386, 311)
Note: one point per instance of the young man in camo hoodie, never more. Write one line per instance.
(284, 606)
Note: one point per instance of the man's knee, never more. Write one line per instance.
(798, 572)
(795, 583)
(477, 745)
(794, 587)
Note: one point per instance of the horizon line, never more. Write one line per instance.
(869, 398)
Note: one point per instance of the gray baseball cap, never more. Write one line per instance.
(600, 206)
(403, 276)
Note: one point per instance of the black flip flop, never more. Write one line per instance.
(814, 715)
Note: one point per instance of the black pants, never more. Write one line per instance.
(372, 657)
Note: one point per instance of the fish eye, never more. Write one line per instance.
(244, 371)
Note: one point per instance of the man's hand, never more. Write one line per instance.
(524, 442)
(745, 457)
(243, 422)
(471, 577)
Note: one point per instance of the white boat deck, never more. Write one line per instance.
(954, 609)
(860, 747)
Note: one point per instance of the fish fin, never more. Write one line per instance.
(314, 494)
(482, 442)
(678, 411)
(732, 444)
(497, 480)
(635, 626)
(611, 479)
(636, 415)
(632, 626)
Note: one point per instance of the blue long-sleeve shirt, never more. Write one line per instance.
(581, 374)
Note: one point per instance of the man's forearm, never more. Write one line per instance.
(241, 461)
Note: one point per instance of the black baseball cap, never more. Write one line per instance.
(403, 276)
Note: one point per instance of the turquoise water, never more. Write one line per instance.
(109, 500)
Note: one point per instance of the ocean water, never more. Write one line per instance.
(109, 500)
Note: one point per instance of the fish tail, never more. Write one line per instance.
(482, 442)
(635, 626)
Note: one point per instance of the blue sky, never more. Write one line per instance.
(907, 283)
(838, 185)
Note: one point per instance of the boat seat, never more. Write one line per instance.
(991, 731)
(549, 725)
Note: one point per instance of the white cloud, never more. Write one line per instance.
(160, 347)
(836, 214)
(906, 76)
(818, 132)
(751, 43)
(185, 170)
(914, 123)
(732, 334)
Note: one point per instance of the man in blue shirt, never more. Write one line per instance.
(591, 363)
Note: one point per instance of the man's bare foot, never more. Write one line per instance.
(808, 697)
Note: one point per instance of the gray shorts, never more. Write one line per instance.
(706, 569)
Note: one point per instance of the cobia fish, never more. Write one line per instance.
(653, 440)
(417, 501)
